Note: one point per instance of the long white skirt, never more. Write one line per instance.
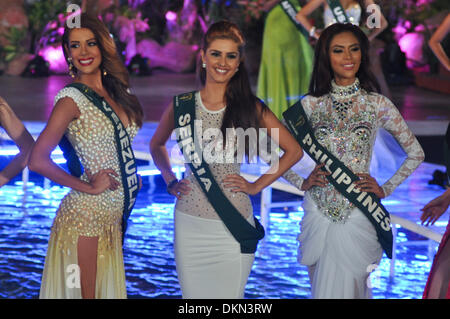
(339, 256)
(208, 259)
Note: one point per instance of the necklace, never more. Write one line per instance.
(342, 97)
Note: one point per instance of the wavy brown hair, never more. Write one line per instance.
(241, 102)
(117, 79)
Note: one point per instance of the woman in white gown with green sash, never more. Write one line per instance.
(339, 242)
(216, 235)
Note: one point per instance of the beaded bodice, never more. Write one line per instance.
(346, 121)
(353, 13)
(92, 136)
(196, 202)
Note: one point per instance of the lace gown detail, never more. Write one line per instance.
(196, 203)
(346, 122)
(337, 241)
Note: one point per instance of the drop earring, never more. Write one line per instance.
(71, 67)
(204, 65)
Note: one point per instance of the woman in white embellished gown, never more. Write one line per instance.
(210, 262)
(337, 241)
(84, 256)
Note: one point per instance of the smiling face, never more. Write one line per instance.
(345, 57)
(222, 60)
(84, 51)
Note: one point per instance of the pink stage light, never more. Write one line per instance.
(423, 2)
(171, 16)
(55, 57)
(411, 44)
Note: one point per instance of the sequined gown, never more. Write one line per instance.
(337, 242)
(82, 214)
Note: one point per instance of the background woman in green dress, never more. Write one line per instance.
(286, 62)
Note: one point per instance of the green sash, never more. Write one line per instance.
(341, 177)
(338, 11)
(291, 12)
(247, 235)
(127, 161)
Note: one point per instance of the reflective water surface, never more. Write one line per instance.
(148, 253)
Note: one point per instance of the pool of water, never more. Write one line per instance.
(148, 252)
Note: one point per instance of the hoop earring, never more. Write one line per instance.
(71, 67)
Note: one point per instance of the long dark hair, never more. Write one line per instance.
(362, 4)
(239, 98)
(322, 74)
(116, 81)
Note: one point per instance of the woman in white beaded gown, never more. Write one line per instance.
(84, 257)
(357, 11)
(337, 242)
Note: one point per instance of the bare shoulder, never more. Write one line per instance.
(67, 104)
